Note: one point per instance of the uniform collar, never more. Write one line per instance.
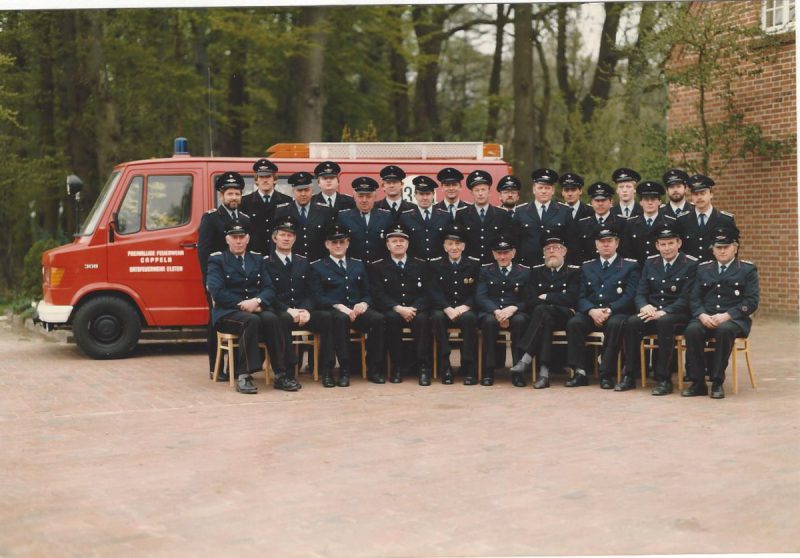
(610, 260)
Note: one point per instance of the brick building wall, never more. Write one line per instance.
(761, 192)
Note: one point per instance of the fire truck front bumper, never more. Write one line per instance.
(52, 314)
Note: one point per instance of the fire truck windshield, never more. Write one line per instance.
(90, 223)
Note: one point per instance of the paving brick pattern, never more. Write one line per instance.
(145, 456)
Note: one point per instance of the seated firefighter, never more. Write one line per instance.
(724, 296)
(662, 298)
(501, 298)
(242, 294)
(608, 288)
(552, 294)
(399, 288)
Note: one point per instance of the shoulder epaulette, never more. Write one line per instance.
(254, 252)
(684, 214)
(473, 258)
(418, 259)
(706, 263)
(662, 205)
(537, 266)
(573, 266)
(461, 207)
(564, 204)
(670, 217)
(589, 260)
(487, 264)
(467, 204)
(587, 217)
(211, 211)
(726, 213)
(347, 210)
(439, 209)
(653, 256)
(408, 211)
(354, 259)
(747, 262)
(523, 266)
(299, 256)
(325, 205)
(315, 261)
(436, 259)
(215, 254)
(631, 260)
(384, 209)
(284, 204)
(345, 195)
(691, 257)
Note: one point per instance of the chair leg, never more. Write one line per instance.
(315, 345)
(231, 362)
(480, 356)
(750, 367)
(364, 356)
(734, 358)
(681, 369)
(217, 361)
(642, 361)
(435, 367)
(619, 367)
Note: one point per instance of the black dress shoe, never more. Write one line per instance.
(285, 383)
(577, 380)
(447, 376)
(517, 380)
(327, 380)
(662, 388)
(606, 383)
(626, 384)
(541, 383)
(696, 389)
(470, 380)
(221, 377)
(344, 379)
(376, 378)
(716, 391)
(488, 379)
(424, 377)
(397, 377)
(244, 384)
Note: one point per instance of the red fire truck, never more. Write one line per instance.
(133, 263)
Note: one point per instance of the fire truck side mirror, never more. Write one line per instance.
(74, 185)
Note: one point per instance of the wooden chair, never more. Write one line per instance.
(299, 337)
(360, 338)
(594, 340)
(650, 343)
(226, 342)
(740, 345)
(453, 334)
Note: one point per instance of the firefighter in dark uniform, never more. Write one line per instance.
(327, 174)
(601, 195)
(608, 288)
(312, 218)
(696, 224)
(291, 276)
(532, 219)
(662, 299)
(508, 187)
(450, 179)
(400, 290)
(261, 203)
(366, 222)
(482, 221)
(392, 178)
(243, 295)
(454, 279)
(424, 223)
(724, 296)
(211, 238)
(677, 183)
(340, 285)
(553, 295)
(625, 180)
(638, 242)
(571, 186)
(501, 299)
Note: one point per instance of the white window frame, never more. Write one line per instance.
(787, 9)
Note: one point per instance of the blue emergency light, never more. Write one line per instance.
(181, 146)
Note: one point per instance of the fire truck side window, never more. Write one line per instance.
(129, 217)
(169, 201)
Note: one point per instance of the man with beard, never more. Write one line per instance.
(261, 203)
(327, 174)
(508, 187)
(366, 222)
(676, 182)
(553, 294)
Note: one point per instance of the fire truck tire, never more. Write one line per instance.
(106, 327)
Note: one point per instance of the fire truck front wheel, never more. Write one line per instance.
(106, 327)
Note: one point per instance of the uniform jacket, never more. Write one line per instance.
(613, 288)
(425, 240)
(584, 210)
(736, 291)
(343, 201)
(262, 218)
(529, 228)
(496, 292)
(229, 284)
(616, 209)
(452, 286)
(391, 287)
(293, 285)
(330, 285)
(310, 240)
(481, 234)
(403, 206)
(697, 242)
(667, 291)
(585, 249)
(443, 206)
(636, 242)
(211, 235)
(561, 288)
(366, 243)
(666, 209)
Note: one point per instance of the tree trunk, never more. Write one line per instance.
(542, 151)
(562, 75)
(428, 23)
(523, 88)
(606, 62)
(399, 99)
(494, 77)
(310, 94)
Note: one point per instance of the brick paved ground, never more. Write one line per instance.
(145, 456)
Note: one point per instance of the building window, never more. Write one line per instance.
(777, 16)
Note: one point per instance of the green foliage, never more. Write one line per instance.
(31, 285)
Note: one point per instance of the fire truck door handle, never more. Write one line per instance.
(188, 244)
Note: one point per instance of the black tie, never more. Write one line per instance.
(400, 265)
(667, 267)
(235, 214)
(394, 207)
(504, 271)
(702, 220)
(303, 215)
(427, 216)
(601, 220)
(722, 269)
(330, 203)
(452, 211)
(341, 265)
(455, 264)
(627, 212)
(288, 262)
(364, 217)
(483, 214)
(266, 200)
(649, 222)
(240, 259)
(605, 265)
(544, 209)
(552, 273)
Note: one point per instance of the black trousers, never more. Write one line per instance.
(251, 329)
(538, 337)
(468, 324)
(371, 323)
(724, 338)
(579, 326)
(320, 323)
(490, 327)
(420, 333)
(666, 328)
(211, 336)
